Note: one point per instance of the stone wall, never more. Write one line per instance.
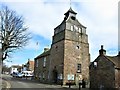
(102, 75)
(76, 53)
(57, 58)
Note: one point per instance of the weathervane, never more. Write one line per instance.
(70, 3)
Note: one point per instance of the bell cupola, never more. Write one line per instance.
(70, 13)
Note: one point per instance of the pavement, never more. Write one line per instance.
(4, 83)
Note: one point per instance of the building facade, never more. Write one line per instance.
(105, 71)
(15, 69)
(68, 58)
(30, 65)
(42, 66)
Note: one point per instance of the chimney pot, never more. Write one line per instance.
(46, 49)
(102, 51)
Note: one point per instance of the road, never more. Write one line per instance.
(23, 83)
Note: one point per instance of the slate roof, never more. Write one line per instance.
(70, 10)
(43, 54)
(15, 66)
(76, 22)
(115, 60)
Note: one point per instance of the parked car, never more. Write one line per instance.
(27, 74)
(19, 75)
(14, 74)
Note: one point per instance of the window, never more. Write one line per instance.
(44, 62)
(95, 64)
(71, 28)
(36, 63)
(76, 28)
(79, 68)
(43, 75)
(72, 17)
(79, 30)
(77, 47)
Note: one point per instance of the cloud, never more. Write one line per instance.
(40, 17)
(102, 25)
(99, 16)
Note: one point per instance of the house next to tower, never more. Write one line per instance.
(105, 71)
(68, 58)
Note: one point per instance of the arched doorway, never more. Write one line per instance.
(55, 75)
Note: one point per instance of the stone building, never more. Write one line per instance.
(15, 69)
(68, 58)
(30, 65)
(105, 71)
(42, 66)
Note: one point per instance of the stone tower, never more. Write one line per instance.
(69, 56)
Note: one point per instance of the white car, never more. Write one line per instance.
(27, 74)
(14, 74)
(19, 75)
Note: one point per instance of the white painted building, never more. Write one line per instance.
(14, 68)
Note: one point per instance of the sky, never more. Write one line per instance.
(42, 16)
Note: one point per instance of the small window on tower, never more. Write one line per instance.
(71, 28)
(76, 28)
(80, 30)
(77, 47)
(79, 68)
(72, 17)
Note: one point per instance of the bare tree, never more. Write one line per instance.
(13, 33)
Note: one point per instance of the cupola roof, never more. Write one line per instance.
(70, 11)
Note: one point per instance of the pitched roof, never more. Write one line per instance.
(70, 10)
(76, 22)
(115, 60)
(43, 54)
(15, 66)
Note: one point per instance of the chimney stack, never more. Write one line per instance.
(102, 51)
(46, 49)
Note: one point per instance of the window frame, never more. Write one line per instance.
(44, 62)
(78, 68)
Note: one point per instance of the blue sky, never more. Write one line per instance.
(42, 16)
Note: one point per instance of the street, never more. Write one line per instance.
(14, 82)
(26, 83)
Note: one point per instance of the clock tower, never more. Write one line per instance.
(69, 54)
